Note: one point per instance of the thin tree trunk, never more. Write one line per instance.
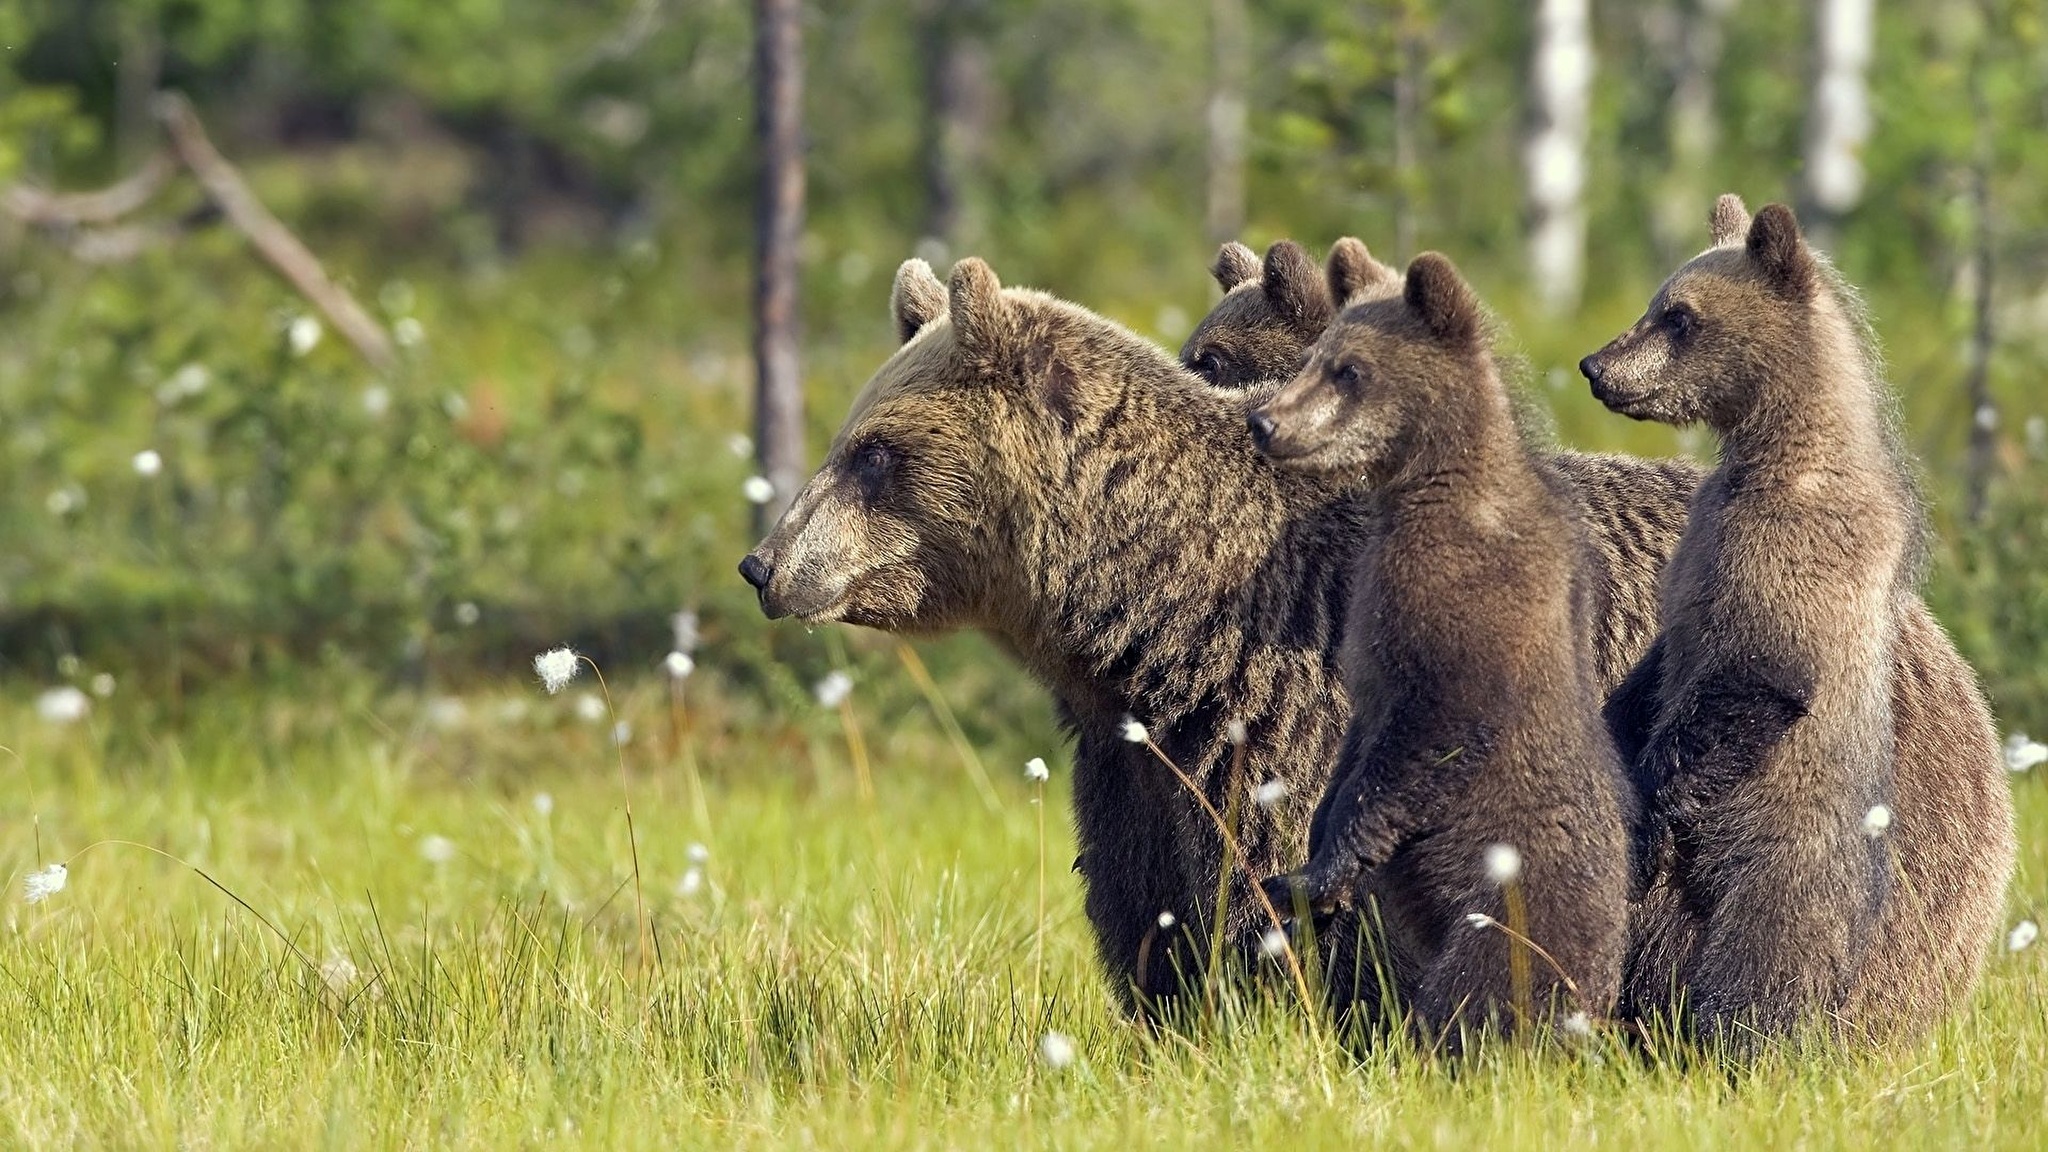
(1561, 81)
(1838, 113)
(778, 389)
(1228, 56)
(1692, 129)
(956, 100)
(1983, 409)
(137, 74)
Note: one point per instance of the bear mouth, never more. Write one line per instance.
(1622, 401)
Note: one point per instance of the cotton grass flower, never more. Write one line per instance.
(1270, 793)
(691, 883)
(62, 705)
(1234, 732)
(1877, 821)
(1133, 731)
(467, 614)
(1036, 771)
(1479, 920)
(622, 733)
(44, 883)
(409, 333)
(758, 490)
(740, 445)
(2023, 752)
(698, 854)
(147, 463)
(589, 708)
(340, 974)
(833, 690)
(303, 335)
(103, 684)
(1166, 921)
(544, 804)
(1273, 944)
(1056, 1050)
(1503, 864)
(437, 849)
(557, 667)
(2023, 933)
(678, 665)
(376, 401)
(1577, 1024)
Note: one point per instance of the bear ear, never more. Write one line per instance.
(1728, 223)
(1780, 252)
(1352, 273)
(1295, 285)
(917, 299)
(1234, 265)
(1440, 296)
(981, 317)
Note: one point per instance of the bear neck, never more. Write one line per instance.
(1463, 450)
(1820, 405)
(1174, 564)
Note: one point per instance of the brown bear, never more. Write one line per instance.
(1830, 829)
(1633, 509)
(1026, 468)
(1468, 656)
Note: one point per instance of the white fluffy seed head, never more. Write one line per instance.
(1273, 944)
(2023, 933)
(1577, 1024)
(437, 849)
(304, 334)
(44, 883)
(1055, 1050)
(833, 690)
(1270, 793)
(1166, 920)
(678, 665)
(103, 684)
(467, 613)
(1234, 732)
(148, 462)
(698, 853)
(64, 704)
(1479, 920)
(589, 708)
(1036, 771)
(544, 804)
(557, 667)
(1503, 864)
(1134, 731)
(691, 883)
(1877, 821)
(758, 490)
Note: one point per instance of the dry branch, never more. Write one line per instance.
(272, 240)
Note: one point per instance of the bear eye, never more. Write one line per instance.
(1209, 366)
(1348, 376)
(872, 464)
(1679, 320)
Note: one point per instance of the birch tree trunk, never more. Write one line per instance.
(1228, 53)
(1838, 113)
(1983, 335)
(778, 385)
(1408, 102)
(1554, 157)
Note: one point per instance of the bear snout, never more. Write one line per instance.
(1262, 428)
(1592, 368)
(756, 571)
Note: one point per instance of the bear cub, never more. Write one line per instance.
(1478, 795)
(1760, 721)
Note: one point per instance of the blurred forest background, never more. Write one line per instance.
(539, 427)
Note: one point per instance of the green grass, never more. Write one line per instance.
(852, 973)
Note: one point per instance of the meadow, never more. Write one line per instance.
(354, 917)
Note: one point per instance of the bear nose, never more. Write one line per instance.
(1591, 368)
(1261, 426)
(755, 571)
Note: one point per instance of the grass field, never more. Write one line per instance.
(433, 954)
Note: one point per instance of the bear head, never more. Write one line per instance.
(1719, 328)
(1376, 375)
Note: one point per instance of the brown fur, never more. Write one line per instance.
(1260, 327)
(1798, 680)
(1026, 468)
(1470, 665)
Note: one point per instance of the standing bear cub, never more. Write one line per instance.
(1478, 789)
(1798, 700)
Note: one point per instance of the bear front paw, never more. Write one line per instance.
(1315, 891)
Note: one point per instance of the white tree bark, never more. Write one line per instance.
(1554, 157)
(1228, 53)
(1838, 118)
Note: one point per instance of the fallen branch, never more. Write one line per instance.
(76, 209)
(271, 239)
